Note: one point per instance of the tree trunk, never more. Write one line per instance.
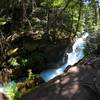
(96, 10)
(79, 17)
(47, 31)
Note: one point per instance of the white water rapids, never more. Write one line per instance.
(76, 55)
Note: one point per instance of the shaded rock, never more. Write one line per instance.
(95, 62)
(80, 82)
(3, 97)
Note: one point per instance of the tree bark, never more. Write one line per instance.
(79, 17)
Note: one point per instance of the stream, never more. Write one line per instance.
(76, 55)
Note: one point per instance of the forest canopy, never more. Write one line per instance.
(34, 34)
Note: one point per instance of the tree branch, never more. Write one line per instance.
(69, 1)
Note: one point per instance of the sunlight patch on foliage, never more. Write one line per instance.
(11, 91)
(12, 51)
(58, 3)
(13, 62)
(2, 21)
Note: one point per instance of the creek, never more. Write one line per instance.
(75, 56)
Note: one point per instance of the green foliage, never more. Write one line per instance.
(89, 19)
(11, 91)
(32, 76)
(2, 21)
(87, 51)
(58, 3)
(18, 62)
(31, 82)
(51, 18)
(24, 62)
(13, 62)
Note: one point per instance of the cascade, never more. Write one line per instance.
(76, 55)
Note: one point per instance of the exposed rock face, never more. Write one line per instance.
(80, 82)
(95, 61)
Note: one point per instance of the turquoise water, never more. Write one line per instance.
(76, 55)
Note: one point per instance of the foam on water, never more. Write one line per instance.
(76, 55)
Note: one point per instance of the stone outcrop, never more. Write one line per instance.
(80, 82)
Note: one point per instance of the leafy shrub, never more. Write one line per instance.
(11, 91)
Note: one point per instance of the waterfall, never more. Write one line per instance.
(76, 55)
(73, 57)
